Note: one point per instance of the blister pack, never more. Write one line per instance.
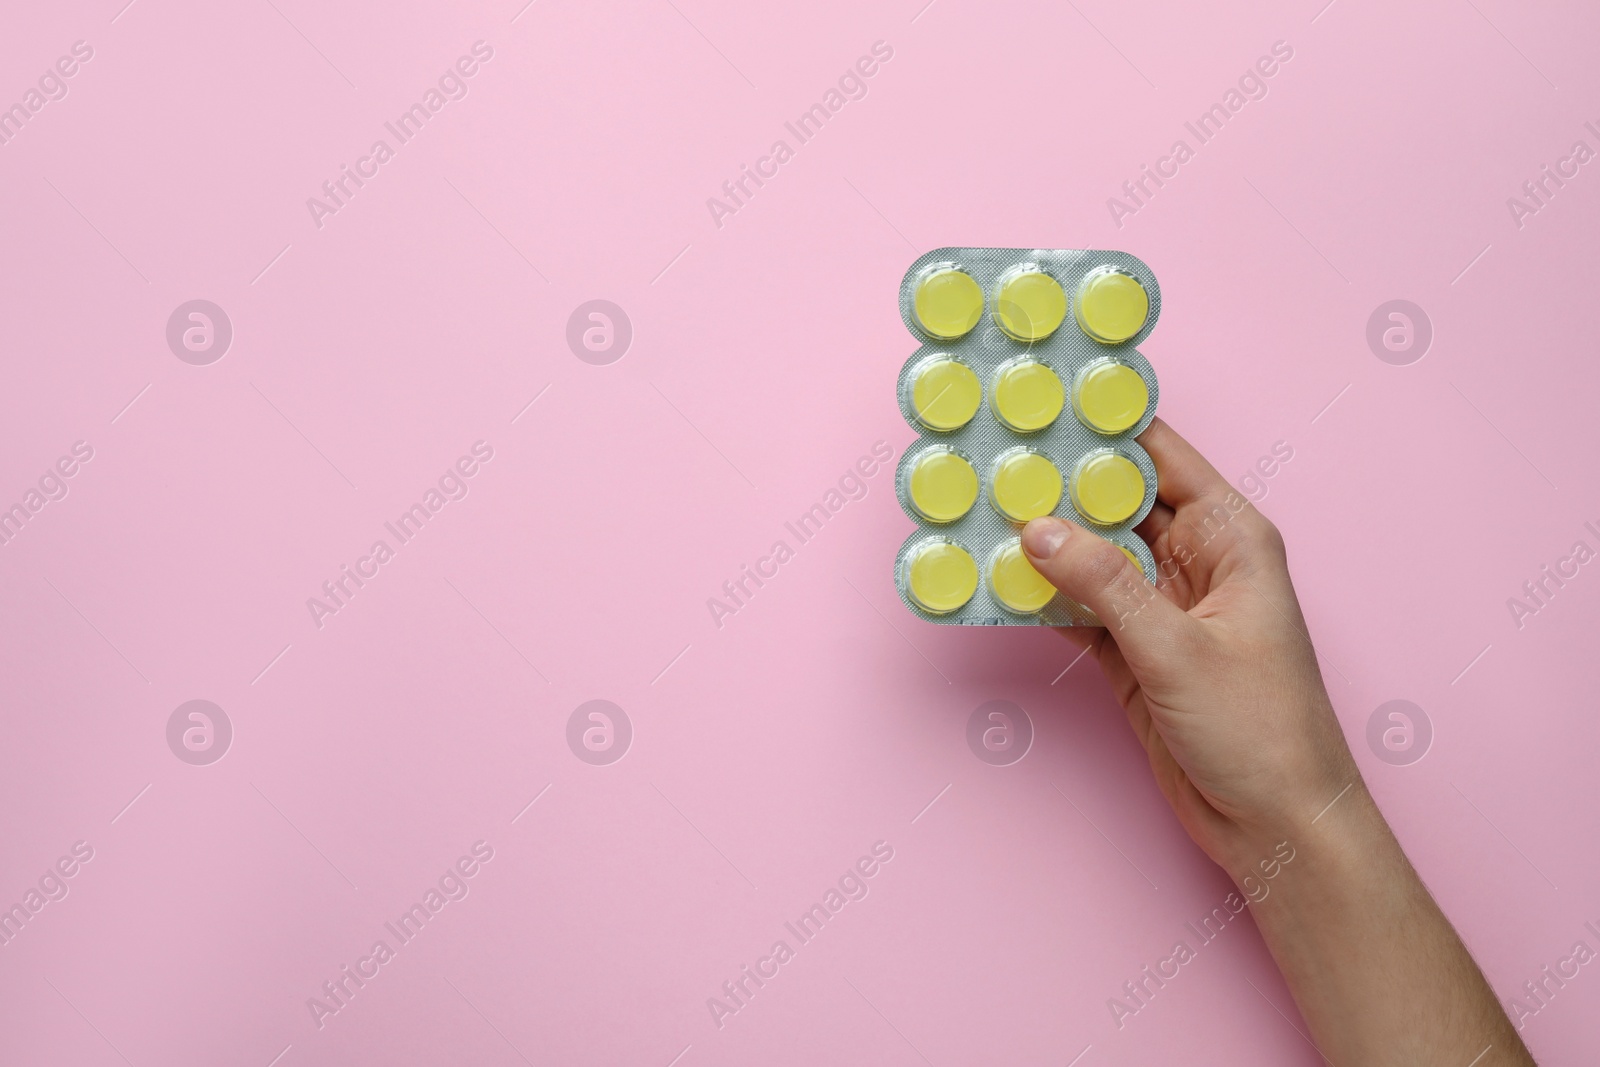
(1028, 393)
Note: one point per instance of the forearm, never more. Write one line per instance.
(1379, 974)
(1221, 686)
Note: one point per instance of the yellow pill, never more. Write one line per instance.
(945, 394)
(1029, 304)
(1132, 558)
(1028, 395)
(1107, 488)
(941, 577)
(1016, 584)
(1109, 397)
(943, 485)
(948, 303)
(1026, 485)
(1112, 305)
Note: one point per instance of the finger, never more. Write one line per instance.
(1171, 578)
(1183, 475)
(1147, 627)
(1213, 528)
(1155, 524)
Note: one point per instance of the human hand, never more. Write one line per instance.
(1213, 665)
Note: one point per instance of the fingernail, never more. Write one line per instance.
(1043, 538)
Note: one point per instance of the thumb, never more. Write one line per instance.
(1147, 627)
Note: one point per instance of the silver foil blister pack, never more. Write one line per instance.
(1027, 365)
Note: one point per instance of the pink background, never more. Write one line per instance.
(770, 753)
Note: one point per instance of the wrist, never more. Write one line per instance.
(1330, 817)
(1300, 775)
(1339, 850)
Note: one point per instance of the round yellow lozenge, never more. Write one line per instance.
(941, 576)
(1027, 395)
(1029, 304)
(1112, 305)
(1107, 488)
(945, 394)
(943, 485)
(1015, 583)
(1025, 486)
(1132, 558)
(1109, 397)
(948, 303)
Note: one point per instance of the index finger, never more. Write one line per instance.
(1184, 475)
(1206, 506)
